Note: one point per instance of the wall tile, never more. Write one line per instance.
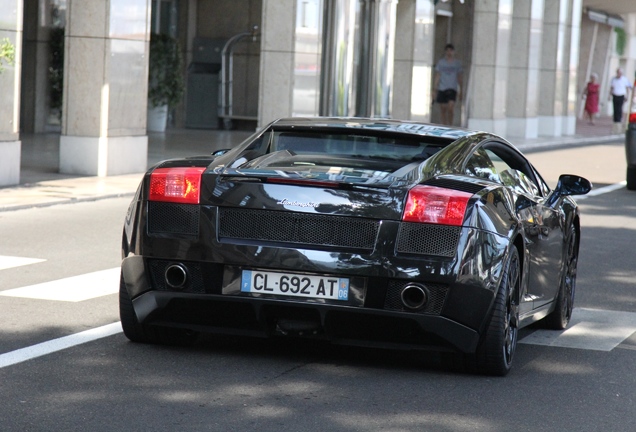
(87, 18)
(276, 87)
(279, 25)
(84, 68)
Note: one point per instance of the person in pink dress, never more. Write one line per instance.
(591, 98)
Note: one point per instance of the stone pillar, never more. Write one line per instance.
(525, 59)
(105, 87)
(413, 64)
(571, 67)
(490, 61)
(554, 68)
(277, 60)
(34, 109)
(10, 145)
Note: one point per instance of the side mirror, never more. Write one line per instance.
(220, 152)
(572, 185)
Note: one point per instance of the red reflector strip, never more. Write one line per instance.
(179, 185)
(430, 204)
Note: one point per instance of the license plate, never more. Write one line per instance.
(298, 285)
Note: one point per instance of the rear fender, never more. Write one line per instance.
(130, 236)
(492, 210)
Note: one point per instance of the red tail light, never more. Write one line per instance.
(632, 117)
(179, 185)
(430, 204)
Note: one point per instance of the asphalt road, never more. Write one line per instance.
(64, 365)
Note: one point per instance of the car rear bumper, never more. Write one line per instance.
(372, 317)
(271, 318)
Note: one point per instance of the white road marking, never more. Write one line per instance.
(603, 190)
(589, 329)
(44, 348)
(7, 262)
(72, 289)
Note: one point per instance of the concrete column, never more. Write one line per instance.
(462, 39)
(490, 62)
(414, 62)
(34, 109)
(525, 58)
(554, 68)
(10, 145)
(105, 87)
(277, 60)
(572, 66)
(593, 52)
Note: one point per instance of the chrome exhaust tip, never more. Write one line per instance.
(414, 297)
(176, 276)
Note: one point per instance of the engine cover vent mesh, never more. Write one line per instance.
(171, 218)
(298, 228)
(194, 278)
(436, 297)
(428, 239)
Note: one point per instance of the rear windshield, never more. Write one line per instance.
(343, 157)
(365, 146)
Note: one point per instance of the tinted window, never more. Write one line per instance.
(489, 165)
(481, 165)
(332, 155)
(365, 146)
(514, 170)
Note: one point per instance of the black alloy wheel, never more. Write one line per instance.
(560, 317)
(496, 351)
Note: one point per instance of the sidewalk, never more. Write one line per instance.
(41, 185)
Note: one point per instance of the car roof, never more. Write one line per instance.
(377, 124)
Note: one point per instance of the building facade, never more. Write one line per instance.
(81, 67)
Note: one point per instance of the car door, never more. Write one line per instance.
(542, 225)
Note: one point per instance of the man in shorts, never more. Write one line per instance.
(447, 84)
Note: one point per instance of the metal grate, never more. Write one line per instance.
(427, 239)
(299, 228)
(194, 281)
(171, 218)
(436, 297)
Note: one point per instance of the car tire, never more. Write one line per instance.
(560, 317)
(137, 332)
(496, 350)
(631, 178)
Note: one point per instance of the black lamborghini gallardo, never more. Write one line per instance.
(358, 231)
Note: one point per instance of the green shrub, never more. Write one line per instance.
(165, 71)
(7, 53)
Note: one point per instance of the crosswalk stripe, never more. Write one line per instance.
(603, 190)
(72, 289)
(7, 262)
(590, 329)
(48, 347)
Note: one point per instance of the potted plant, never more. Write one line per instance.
(165, 79)
(7, 53)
